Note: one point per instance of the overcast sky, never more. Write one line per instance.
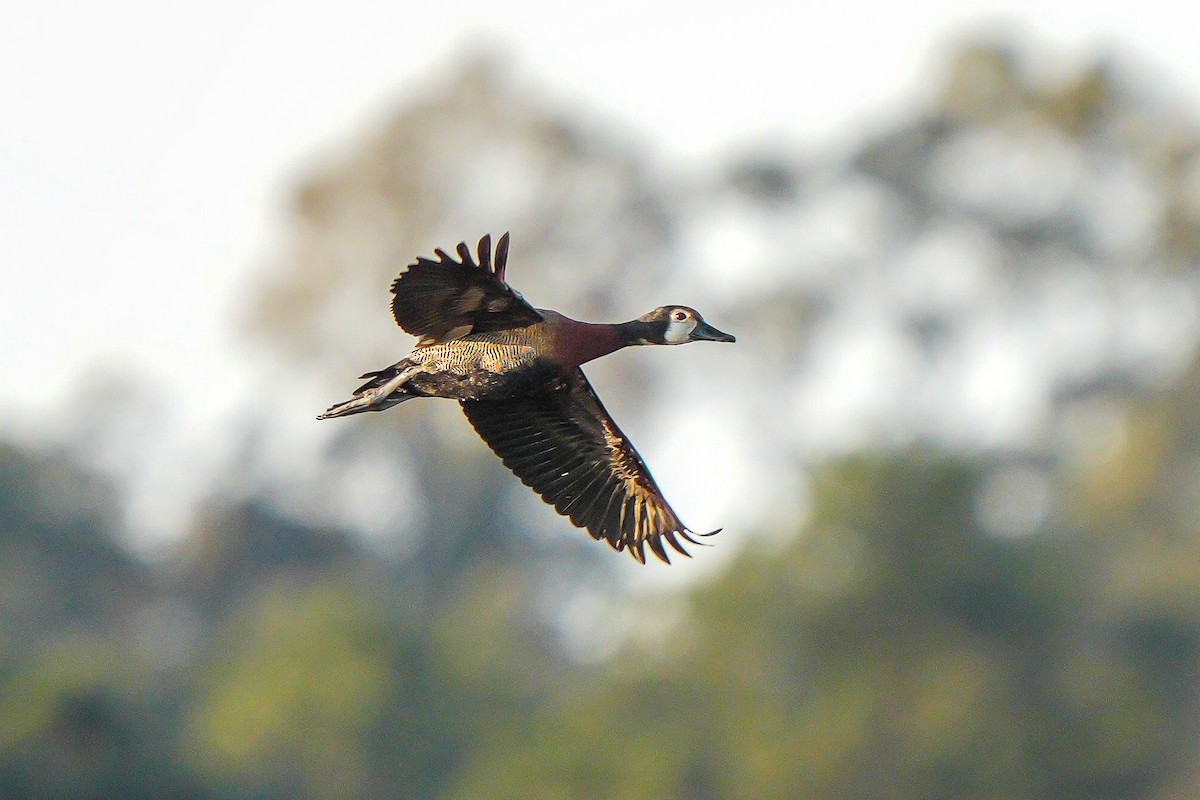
(148, 148)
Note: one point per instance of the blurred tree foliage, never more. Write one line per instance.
(894, 650)
(952, 619)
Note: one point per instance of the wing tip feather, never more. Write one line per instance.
(672, 535)
(485, 252)
(501, 256)
(464, 253)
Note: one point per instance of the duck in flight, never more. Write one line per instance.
(515, 371)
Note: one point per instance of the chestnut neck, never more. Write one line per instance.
(580, 342)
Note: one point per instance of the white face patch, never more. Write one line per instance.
(679, 330)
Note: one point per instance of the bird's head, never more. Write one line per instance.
(677, 325)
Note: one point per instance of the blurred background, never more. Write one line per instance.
(956, 450)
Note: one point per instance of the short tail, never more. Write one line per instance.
(383, 390)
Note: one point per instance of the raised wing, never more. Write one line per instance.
(566, 447)
(448, 299)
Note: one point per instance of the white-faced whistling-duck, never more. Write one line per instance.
(515, 371)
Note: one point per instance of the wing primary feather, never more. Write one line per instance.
(539, 459)
(528, 449)
(501, 255)
(654, 515)
(614, 515)
(601, 512)
(635, 517)
(686, 534)
(562, 475)
(464, 253)
(675, 543)
(611, 519)
(656, 545)
(590, 490)
(636, 549)
(628, 518)
(561, 491)
(485, 252)
(598, 510)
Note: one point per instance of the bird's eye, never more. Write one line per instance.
(680, 316)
